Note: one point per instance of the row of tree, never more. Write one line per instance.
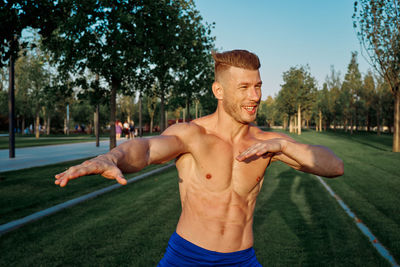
(354, 103)
(161, 49)
(105, 48)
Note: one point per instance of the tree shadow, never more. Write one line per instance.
(308, 227)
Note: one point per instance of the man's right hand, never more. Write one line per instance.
(99, 165)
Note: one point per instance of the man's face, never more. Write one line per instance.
(241, 93)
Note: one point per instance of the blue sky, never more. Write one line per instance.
(287, 33)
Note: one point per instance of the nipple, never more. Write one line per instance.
(258, 179)
(208, 176)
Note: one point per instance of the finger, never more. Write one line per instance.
(121, 180)
(116, 174)
(64, 182)
(60, 175)
(257, 150)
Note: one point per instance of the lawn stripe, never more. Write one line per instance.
(364, 229)
(7, 227)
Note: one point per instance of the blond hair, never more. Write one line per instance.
(236, 58)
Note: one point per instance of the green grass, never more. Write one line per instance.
(371, 183)
(30, 190)
(30, 141)
(296, 222)
(44, 140)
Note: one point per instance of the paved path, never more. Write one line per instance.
(44, 155)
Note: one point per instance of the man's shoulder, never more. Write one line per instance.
(185, 129)
(265, 135)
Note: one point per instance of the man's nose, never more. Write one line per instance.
(254, 94)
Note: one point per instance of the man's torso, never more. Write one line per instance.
(218, 193)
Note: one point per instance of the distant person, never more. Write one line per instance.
(221, 160)
(126, 129)
(118, 129)
(132, 129)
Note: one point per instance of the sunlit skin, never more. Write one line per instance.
(221, 159)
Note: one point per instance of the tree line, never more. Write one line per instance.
(353, 103)
(98, 50)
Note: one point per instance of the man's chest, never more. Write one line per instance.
(212, 164)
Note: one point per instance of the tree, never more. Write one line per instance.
(368, 96)
(32, 80)
(103, 37)
(297, 93)
(378, 28)
(15, 16)
(350, 96)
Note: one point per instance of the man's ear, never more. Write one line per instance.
(218, 90)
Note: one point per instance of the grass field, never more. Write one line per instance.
(44, 140)
(30, 190)
(29, 141)
(296, 222)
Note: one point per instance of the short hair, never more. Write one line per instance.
(236, 58)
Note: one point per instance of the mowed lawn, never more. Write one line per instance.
(371, 183)
(296, 222)
(30, 140)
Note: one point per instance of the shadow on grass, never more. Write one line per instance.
(299, 224)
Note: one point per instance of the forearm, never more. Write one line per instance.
(314, 159)
(130, 156)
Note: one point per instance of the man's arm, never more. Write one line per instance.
(314, 159)
(131, 156)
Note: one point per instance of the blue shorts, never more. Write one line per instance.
(181, 252)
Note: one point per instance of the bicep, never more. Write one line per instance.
(280, 156)
(286, 159)
(165, 148)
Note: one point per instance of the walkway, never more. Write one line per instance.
(45, 155)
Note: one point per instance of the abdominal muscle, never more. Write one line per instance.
(218, 221)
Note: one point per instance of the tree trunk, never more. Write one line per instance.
(140, 115)
(23, 125)
(65, 125)
(151, 123)
(345, 125)
(37, 122)
(114, 87)
(197, 109)
(97, 125)
(11, 107)
(396, 122)
(320, 121)
(285, 123)
(378, 121)
(67, 120)
(290, 124)
(188, 108)
(299, 119)
(351, 125)
(162, 111)
(184, 115)
(166, 119)
(48, 124)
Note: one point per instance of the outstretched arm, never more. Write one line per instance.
(314, 159)
(130, 156)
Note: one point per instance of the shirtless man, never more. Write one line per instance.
(221, 160)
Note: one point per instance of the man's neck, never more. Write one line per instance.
(228, 128)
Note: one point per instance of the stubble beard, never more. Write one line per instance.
(235, 112)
